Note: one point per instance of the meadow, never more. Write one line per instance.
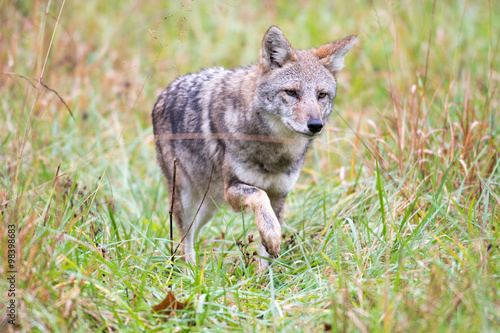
(393, 226)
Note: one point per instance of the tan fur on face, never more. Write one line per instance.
(331, 48)
(332, 54)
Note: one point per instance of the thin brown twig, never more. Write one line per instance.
(197, 211)
(44, 85)
(170, 213)
(46, 217)
(59, 96)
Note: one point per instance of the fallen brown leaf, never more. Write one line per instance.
(169, 305)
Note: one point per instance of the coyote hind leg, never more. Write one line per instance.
(188, 223)
(206, 213)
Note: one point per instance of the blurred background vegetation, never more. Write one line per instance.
(393, 229)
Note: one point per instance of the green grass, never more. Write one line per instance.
(405, 241)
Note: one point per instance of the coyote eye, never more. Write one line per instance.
(291, 93)
(322, 94)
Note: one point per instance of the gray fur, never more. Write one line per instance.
(246, 124)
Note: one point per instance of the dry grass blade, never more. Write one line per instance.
(45, 86)
(27, 129)
(378, 157)
(429, 44)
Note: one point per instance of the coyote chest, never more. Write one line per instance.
(267, 176)
(244, 134)
(271, 167)
(277, 184)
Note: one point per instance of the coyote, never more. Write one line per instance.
(243, 134)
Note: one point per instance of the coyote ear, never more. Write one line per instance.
(276, 50)
(332, 55)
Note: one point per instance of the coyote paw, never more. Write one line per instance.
(272, 247)
(271, 239)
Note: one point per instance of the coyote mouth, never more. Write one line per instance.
(308, 135)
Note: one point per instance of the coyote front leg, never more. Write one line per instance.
(238, 196)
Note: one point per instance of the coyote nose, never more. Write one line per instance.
(315, 125)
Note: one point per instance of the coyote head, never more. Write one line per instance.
(297, 88)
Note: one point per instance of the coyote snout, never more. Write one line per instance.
(252, 127)
(314, 125)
